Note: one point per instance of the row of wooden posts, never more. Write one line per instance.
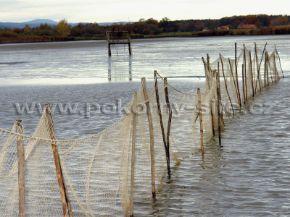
(255, 82)
(166, 136)
(67, 209)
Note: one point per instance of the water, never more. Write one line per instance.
(248, 177)
(87, 62)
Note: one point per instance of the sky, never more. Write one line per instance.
(133, 10)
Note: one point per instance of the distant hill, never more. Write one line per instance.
(38, 22)
(32, 23)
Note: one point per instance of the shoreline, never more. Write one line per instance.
(203, 34)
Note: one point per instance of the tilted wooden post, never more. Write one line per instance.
(279, 61)
(200, 121)
(237, 76)
(226, 85)
(218, 104)
(168, 125)
(212, 119)
(167, 153)
(21, 168)
(133, 154)
(251, 74)
(66, 207)
(151, 134)
(234, 81)
(245, 75)
(265, 71)
(129, 48)
(258, 81)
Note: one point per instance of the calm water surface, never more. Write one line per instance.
(249, 176)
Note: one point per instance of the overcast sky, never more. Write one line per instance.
(133, 10)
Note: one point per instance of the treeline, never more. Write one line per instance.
(237, 25)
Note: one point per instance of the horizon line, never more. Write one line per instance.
(120, 21)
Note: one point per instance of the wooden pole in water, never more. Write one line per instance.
(261, 61)
(258, 81)
(133, 154)
(218, 104)
(129, 47)
(279, 61)
(200, 122)
(267, 68)
(245, 74)
(151, 134)
(243, 82)
(212, 119)
(21, 168)
(270, 71)
(251, 74)
(234, 80)
(237, 77)
(276, 78)
(226, 84)
(206, 68)
(168, 125)
(66, 207)
(161, 123)
(265, 71)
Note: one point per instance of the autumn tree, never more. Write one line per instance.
(63, 29)
(279, 21)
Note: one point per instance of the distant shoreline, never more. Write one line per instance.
(249, 25)
(164, 35)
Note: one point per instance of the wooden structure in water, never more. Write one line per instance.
(118, 37)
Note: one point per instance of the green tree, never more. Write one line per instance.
(63, 28)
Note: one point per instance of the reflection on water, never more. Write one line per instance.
(13, 62)
(117, 70)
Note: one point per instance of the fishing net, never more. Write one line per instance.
(110, 172)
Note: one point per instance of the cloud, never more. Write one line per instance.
(132, 10)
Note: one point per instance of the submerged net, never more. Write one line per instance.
(107, 173)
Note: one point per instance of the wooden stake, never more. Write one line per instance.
(243, 82)
(226, 85)
(200, 122)
(151, 133)
(237, 77)
(109, 49)
(66, 207)
(206, 68)
(234, 80)
(129, 48)
(258, 81)
(279, 61)
(251, 74)
(212, 119)
(168, 125)
(245, 75)
(133, 154)
(261, 61)
(21, 168)
(275, 68)
(266, 71)
(218, 104)
(161, 123)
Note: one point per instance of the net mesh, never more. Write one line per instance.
(107, 173)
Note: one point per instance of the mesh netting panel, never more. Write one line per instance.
(107, 173)
(8, 180)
